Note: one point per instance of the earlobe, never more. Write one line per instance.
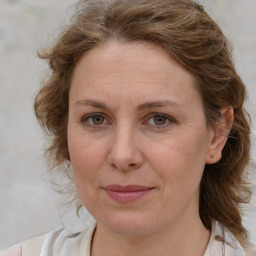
(220, 134)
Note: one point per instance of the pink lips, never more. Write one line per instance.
(126, 194)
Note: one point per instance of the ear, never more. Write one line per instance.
(219, 135)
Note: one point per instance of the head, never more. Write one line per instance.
(185, 32)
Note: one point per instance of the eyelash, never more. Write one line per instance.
(87, 120)
(168, 120)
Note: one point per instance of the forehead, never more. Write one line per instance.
(118, 55)
(131, 68)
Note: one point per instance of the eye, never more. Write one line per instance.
(159, 120)
(97, 120)
(94, 120)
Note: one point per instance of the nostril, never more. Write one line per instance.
(124, 168)
(124, 155)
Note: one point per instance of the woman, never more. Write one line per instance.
(145, 107)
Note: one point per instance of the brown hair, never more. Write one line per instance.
(193, 39)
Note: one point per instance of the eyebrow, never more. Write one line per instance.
(143, 106)
(157, 104)
(92, 103)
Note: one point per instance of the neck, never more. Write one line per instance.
(186, 239)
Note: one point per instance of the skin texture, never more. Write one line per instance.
(149, 130)
(12, 251)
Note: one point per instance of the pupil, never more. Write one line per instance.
(159, 120)
(98, 120)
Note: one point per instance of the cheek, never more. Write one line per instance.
(179, 162)
(87, 158)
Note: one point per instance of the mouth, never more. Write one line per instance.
(126, 194)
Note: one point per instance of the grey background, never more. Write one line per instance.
(28, 204)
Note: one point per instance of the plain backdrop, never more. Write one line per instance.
(28, 204)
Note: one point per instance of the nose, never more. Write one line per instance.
(125, 153)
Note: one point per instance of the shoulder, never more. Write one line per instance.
(12, 251)
(29, 247)
(32, 246)
(230, 244)
(223, 242)
(250, 250)
(57, 242)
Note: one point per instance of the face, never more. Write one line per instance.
(137, 137)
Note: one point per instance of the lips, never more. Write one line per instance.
(126, 194)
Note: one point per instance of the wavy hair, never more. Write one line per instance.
(188, 34)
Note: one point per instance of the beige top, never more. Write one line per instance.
(62, 243)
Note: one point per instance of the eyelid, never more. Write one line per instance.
(170, 119)
(91, 115)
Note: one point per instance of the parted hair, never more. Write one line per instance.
(189, 35)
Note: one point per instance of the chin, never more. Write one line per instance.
(130, 225)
